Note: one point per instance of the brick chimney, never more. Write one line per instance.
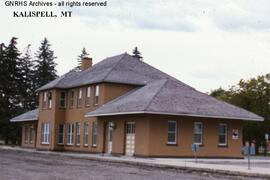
(86, 63)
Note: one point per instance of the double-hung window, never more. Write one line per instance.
(88, 95)
(45, 133)
(63, 99)
(94, 136)
(79, 98)
(26, 133)
(44, 99)
(71, 103)
(70, 131)
(96, 95)
(86, 134)
(172, 132)
(222, 134)
(61, 134)
(49, 99)
(78, 134)
(198, 132)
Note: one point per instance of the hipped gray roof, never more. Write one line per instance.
(169, 97)
(28, 116)
(122, 68)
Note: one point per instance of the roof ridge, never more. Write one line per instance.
(114, 67)
(165, 82)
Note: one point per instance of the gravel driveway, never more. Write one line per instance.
(21, 165)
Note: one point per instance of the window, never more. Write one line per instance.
(61, 134)
(94, 143)
(222, 134)
(45, 133)
(63, 99)
(31, 133)
(78, 134)
(172, 129)
(96, 95)
(198, 130)
(88, 95)
(71, 99)
(44, 99)
(26, 133)
(49, 99)
(86, 134)
(70, 131)
(80, 98)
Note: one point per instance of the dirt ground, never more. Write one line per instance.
(18, 165)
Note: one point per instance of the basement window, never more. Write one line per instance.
(222, 135)
(198, 132)
(172, 132)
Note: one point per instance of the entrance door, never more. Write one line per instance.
(130, 138)
(110, 137)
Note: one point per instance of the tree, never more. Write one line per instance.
(28, 95)
(83, 54)
(10, 91)
(136, 53)
(45, 68)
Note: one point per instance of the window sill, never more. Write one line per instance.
(172, 144)
(62, 108)
(94, 146)
(223, 146)
(70, 144)
(85, 145)
(44, 143)
(60, 144)
(200, 145)
(77, 145)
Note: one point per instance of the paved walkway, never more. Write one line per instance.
(260, 167)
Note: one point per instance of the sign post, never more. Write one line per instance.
(195, 148)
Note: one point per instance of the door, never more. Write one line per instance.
(110, 137)
(130, 138)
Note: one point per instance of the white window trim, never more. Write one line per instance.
(226, 135)
(199, 143)
(175, 142)
(63, 134)
(78, 133)
(94, 134)
(70, 134)
(96, 95)
(45, 132)
(86, 127)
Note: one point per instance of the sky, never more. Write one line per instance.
(207, 44)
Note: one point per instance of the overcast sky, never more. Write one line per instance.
(206, 44)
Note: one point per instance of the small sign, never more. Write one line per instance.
(195, 147)
(235, 134)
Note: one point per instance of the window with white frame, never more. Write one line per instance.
(78, 134)
(172, 132)
(198, 132)
(70, 131)
(94, 136)
(45, 133)
(79, 98)
(44, 99)
(71, 103)
(86, 134)
(49, 99)
(96, 95)
(61, 134)
(63, 99)
(31, 133)
(26, 133)
(222, 134)
(88, 95)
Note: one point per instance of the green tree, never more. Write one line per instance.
(83, 54)
(45, 68)
(136, 53)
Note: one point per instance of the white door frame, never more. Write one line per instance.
(130, 138)
(109, 138)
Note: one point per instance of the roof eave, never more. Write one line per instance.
(22, 120)
(175, 114)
